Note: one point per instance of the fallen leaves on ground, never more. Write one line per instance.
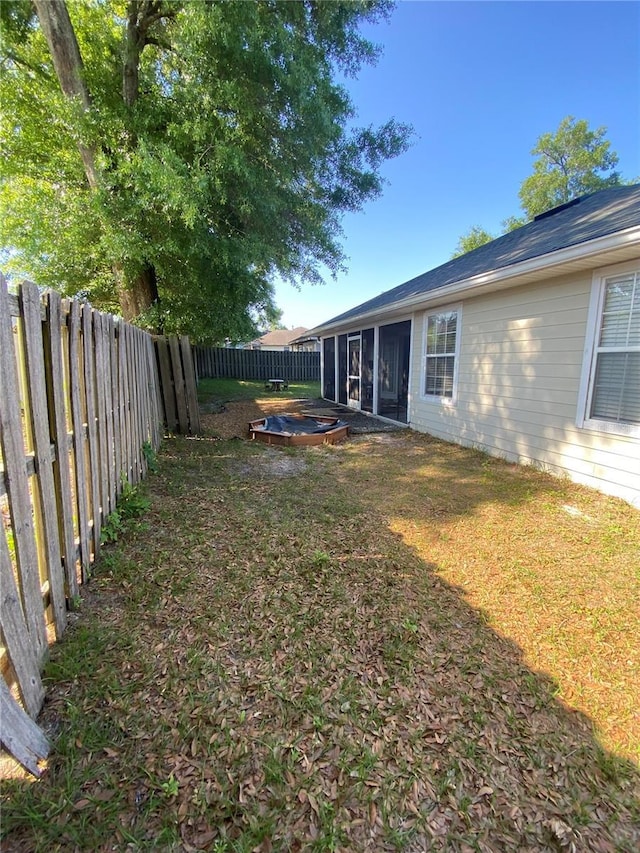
(277, 663)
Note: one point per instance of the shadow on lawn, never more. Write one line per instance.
(272, 667)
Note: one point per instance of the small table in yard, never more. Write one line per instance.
(276, 385)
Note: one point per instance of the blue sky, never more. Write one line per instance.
(479, 82)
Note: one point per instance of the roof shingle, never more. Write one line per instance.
(586, 218)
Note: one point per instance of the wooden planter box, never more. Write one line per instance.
(259, 432)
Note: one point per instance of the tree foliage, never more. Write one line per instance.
(571, 162)
(223, 147)
(475, 237)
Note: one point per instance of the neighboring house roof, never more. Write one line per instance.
(578, 222)
(279, 337)
(305, 338)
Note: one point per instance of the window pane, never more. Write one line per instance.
(439, 376)
(621, 314)
(616, 392)
(441, 333)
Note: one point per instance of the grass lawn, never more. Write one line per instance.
(223, 390)
(390, 644)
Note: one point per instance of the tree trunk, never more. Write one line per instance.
(67, 61)
(139, 295)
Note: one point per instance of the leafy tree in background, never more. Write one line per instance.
(571, 162)
(167, 159)
(475, 237)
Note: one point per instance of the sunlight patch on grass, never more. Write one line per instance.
(348, 658)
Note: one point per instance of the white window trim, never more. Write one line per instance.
(435, 398)
(583, 421)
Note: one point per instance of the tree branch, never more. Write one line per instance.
(67, 61)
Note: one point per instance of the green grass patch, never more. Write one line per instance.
(391, 644)
(228, 390)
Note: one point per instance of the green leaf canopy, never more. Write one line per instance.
(224, 148)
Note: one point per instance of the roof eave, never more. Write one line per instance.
(496, 279)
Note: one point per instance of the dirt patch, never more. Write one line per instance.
(273, 463)
(233, 422)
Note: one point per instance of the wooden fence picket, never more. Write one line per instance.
(190, 384)
(115, 409)
(81, 395)
(34, 351)
(181, 398)
(61, 466)
(17, 483)
(21, 651)
(93, 463)
(19, 733)
(168, 394)
(82, 483)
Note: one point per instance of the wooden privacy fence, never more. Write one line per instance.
(226, 363)
(81, 412)
(178, 384)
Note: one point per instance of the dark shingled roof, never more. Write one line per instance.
(578, 221)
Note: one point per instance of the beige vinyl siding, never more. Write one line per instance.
(518, 381)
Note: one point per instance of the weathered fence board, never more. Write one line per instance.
(54, 363)
(100, 418)
(34, 349)
(17, 483)
(113, 408)
(190, 384)
(181, 399)
(178, 380)
(168, 396)
(82, 399)
(20, 735)
(88, 361)
(21, 651)
(79, 397)
(224, 362)
(82, 477)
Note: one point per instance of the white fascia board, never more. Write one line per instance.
(494, 279)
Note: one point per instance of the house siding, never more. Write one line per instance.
(519, 375)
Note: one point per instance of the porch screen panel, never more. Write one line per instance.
(342, 369)
(329, 366)
(394, 348)
(366, 392)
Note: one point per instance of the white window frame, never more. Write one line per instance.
(436, 398)
(594, 319)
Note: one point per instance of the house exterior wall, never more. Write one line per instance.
(518, 379)
(269, 348)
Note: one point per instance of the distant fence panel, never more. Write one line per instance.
(79, 400)
(177, 381)
(227, 363)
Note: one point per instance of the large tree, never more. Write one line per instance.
(571, 162)
(169, 158)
